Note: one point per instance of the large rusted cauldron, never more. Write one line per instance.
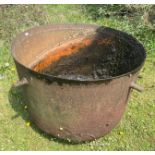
(85, 101)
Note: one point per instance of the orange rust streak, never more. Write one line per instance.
(60, 52)
(67, 50)
(105, 41)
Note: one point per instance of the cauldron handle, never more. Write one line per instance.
(136, 87)
(21, 82)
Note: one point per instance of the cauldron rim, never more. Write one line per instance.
(66, 80)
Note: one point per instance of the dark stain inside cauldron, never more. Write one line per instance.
(99, 60)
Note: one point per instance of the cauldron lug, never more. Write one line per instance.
(136, 87)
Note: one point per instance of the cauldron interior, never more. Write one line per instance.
(80, 54)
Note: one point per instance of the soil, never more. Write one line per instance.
(96, 61)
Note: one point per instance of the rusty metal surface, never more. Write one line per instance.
(69, 109)
(77, 112)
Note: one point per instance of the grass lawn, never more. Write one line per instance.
(136, 131)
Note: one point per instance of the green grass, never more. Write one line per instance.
(136, 131)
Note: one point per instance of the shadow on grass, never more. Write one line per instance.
(18, 103)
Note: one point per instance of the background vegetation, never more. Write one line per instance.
(136, 131)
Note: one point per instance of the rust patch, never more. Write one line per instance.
(104, 41)
(67, 50)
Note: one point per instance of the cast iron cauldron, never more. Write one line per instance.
(77, 109)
